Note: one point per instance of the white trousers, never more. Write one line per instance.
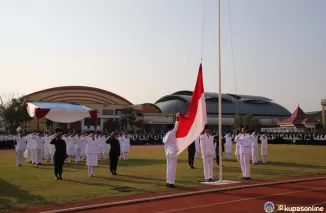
(33, 155)
(171, 161)
(125, 155)
(263, 158)
(254, 154)
(245, 165)
(77, 155)
(29, 155)
(238, 158)
(19, 156)
(208, 167)
(228, 156)
(90, 170)
(38, 156)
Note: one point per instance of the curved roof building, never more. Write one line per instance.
(231, 104)
(78, 94)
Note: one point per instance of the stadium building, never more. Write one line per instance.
(155, 115)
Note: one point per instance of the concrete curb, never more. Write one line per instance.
(133, 201)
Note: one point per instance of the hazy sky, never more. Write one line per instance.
(144, 49)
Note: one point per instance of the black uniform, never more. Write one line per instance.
(60, 156)
(217, 149)
(114, 154)
(191, 154)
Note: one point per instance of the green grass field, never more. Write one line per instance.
(145, 170)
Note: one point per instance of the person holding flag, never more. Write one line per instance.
(171, 151)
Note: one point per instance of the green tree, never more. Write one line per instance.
(253, 122)
(14, 114)
(129, 119)
(237, 122)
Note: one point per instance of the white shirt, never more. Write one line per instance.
(228, 140)
(207, 145)
(169, 141)
(92, 147)
(264, 142)
(244, 141)
(21, 143)
(254, 142)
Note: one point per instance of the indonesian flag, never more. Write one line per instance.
(193, 123)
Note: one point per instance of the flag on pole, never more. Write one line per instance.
(192, 124)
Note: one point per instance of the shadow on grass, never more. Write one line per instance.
(11, 196)
(110, 186)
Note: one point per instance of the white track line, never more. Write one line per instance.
(244, 199)
(184, 194)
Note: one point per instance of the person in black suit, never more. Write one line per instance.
(60, 154)
(114, 152)
(191, 154)
(217, 149)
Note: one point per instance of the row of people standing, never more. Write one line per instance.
(37, 148)
(92, 153)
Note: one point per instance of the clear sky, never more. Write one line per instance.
(144, 49)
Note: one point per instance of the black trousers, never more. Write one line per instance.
(217, 158)
(58, 167)
(114, 163)
(191, 158)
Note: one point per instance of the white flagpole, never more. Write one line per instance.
(219, 92)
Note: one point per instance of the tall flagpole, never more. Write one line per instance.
(219, 92)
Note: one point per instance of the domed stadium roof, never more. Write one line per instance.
(231, 104)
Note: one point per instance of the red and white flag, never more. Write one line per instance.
(193, 123)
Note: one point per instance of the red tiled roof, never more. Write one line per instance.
(298, 117)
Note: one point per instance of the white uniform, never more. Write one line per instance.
(197, 146)
(70, 142)
(47, 148)
(120, 138)
(77, 146)
(125, 147)
(254, 148)
(237, 149)
(228, 145)
(244, 140)
(39, 149)
(29, 148)
(171, 151)
(83, 146)
(20, 149)
(92, 153)
(264, 147)
(208, 151)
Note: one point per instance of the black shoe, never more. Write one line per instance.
(193, 167)
(207, 180)
(115, 173)
(19, 165)
(167, 185)
(247, 178)
(172, 186)
(210, 180)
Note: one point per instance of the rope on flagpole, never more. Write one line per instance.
(233, 64)
(202, 36)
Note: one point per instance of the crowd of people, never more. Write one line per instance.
(38, 148)
(7, 141)
(57, 148)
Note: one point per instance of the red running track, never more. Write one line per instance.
(242, 200)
